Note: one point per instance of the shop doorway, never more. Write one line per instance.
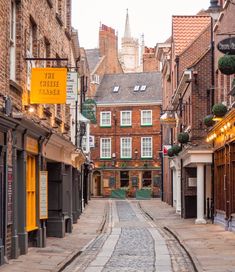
(147, 179)
(2, 208)
(96, 183)
(124, 178)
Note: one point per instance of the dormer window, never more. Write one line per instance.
(136, 88)
(143, 88)
(115, 89)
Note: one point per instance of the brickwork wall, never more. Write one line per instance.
(223, 83)
(195, 50)
(135, 132)
(4, 48)
(150, 62)
(50, 28)
(108, 46)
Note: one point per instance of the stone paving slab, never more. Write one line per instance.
(59, 250)
(212, 247)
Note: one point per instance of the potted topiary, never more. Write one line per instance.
(219, 110)
(208, 120)
(226, 64)
(170, 152)
(183, 137)
(176, 149)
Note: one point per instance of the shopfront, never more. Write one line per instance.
(223, 139)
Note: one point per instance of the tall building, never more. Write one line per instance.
(129, 54)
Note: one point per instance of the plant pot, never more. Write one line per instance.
(183, 137)
(208, 120)
(226, 64)
(219, 110)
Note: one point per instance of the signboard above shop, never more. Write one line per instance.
(227, 46)
(48, 86)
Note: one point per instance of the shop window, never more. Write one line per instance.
(147, 179)
(124, 178)
(31, 193)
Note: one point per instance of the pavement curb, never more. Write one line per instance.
(194, 260)
(78, 252)
(196, 264)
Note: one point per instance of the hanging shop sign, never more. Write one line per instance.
(89, 110)
(169, 119)
(72, 87)
(43, 195)
(227, 46)
(48, 86)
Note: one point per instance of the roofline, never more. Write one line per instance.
(107, 104)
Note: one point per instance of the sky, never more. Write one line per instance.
(150, 17)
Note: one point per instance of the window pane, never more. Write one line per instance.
(146, 117)
(125, 118)
(147, 147)
(105, 148)
(105, 118)
(126, 147)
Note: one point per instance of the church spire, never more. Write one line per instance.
(127, 33)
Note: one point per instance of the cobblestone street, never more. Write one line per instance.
(132, 243)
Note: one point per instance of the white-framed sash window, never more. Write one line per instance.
(105, 148)
(146, 147)
(126, 147)
(126, 118)
(146, 117)
(105, 118)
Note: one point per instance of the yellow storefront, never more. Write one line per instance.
(31, 147)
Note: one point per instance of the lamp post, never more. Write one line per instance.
(136, 153)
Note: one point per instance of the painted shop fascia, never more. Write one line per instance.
(28, 150)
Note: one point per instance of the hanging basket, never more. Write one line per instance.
(183, 137)
(219, 110)
(208, 120)
(170, 152)
(226, 64)
(174, 150)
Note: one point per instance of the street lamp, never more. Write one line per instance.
(136, 153)
(113, 159)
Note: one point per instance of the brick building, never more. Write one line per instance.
(103, 60)
(127, 134)
(186, 67)
(35, 139)
(221, 136)
(150, 62)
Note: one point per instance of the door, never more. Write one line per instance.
(97, 189)
(31, 193)
(2, 207)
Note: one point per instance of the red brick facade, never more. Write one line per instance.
(135, 165)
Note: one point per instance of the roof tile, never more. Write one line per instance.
(186, 29)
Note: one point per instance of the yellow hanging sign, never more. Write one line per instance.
(48, 86)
